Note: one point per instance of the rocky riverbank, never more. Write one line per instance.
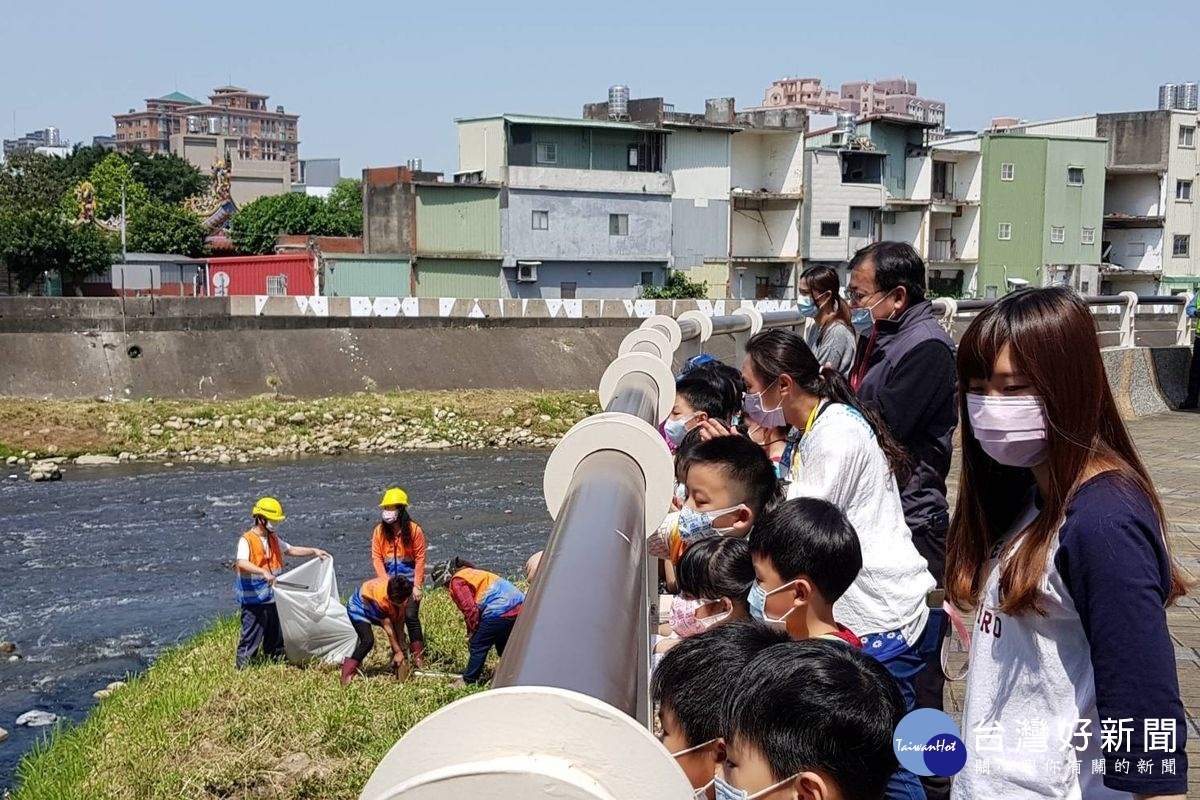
(40, 438)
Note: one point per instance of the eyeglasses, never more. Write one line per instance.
(857, 298)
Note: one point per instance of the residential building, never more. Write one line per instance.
(1042, 200)
(806, 93)
(233, 113)
(318, 176)
(892, 97)
(249, 179)
(939, 212)
(586, 209)
(853, 173)
(450, 233)
(895, 97)
(105, 141)
(738, 190)
(46, 137)
(1151, 213)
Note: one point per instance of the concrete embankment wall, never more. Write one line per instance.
(232, 347)
(210, 354)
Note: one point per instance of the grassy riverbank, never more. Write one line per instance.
(193, 727)
(271, 427)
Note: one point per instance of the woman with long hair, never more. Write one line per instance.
(1058, 541)
(398, 548)
(846, 456)
(831, 337)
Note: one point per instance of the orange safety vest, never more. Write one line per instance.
(494, 596)
(254, 589)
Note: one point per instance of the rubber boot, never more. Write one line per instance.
(417, 649)
(349, 667)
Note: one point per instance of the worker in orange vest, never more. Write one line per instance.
(382, 602)
(488, 603)
(260, 555)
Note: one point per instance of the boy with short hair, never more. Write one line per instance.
(730, 482)
(689, 687)
(806, 555)
(695, 401)
(812, 718)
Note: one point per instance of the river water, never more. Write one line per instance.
(103, 570)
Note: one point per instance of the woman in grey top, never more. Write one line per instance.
(831, 338)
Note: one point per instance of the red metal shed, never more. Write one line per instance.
(284, 274)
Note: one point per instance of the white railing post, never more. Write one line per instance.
(949, 311)
(1183, 332)
(1128, 326)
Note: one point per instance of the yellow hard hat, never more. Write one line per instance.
(268, 508)
(394, 497)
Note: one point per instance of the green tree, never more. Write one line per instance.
(33, 241)
(83, 159)
(342, 214)
(29, 181)
(677, 287)
(169, 178)
(256, 225)
(157, 227)
(107, 178)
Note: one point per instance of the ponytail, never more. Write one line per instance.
(778, 352)
(405, 524)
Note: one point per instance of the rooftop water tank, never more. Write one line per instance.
(618, 102)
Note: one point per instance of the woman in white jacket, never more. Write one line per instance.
(847, 457)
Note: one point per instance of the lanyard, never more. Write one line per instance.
(812, 417)
(856, 377)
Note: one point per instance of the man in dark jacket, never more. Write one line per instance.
(905, 367)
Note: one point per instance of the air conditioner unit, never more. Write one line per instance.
(838, 139)
(527, 271)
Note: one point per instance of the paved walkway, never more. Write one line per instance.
(1170, 445)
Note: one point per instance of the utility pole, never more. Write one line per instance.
(124, 254)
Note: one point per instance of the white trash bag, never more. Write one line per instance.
(311, 614)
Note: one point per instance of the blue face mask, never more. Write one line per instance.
(695, 525)
(862, 319)
(806, 306)
(758, 604)
(676, 429)
(727, 792)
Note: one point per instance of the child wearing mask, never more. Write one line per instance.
(398, 548)
(715, 577)
(695, 401)
(805, 555)
(378, 601)
(729, 483)
(689, 688)
(810, 719)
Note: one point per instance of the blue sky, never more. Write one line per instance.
(379, 82)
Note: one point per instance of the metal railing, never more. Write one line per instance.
(584, 632)
(1174, 327)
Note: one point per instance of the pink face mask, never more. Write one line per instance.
(683, 617)
(1012, 430)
